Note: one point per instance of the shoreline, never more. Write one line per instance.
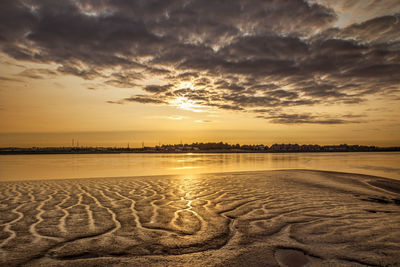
(205, 173)
(193, 152)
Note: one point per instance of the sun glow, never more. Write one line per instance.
(186, 85)
(187, 104)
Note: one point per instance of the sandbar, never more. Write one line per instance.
(260, 218)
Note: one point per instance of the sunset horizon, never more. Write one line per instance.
(155, 138)
(237, 133)
(299, 71)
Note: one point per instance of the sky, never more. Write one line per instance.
(113, 72)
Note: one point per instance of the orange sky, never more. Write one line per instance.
(331, 79)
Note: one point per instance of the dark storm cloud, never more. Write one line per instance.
(264, 87)
(228, 107)
(121, 83)
(231, 87)
(15, 20)
(304, 118)
(382, 29)
(86, 73)
(234, 55)
(201, 82)
(157, 89)
(157, 71)
(187, 76)
(271, 46)
(283, 94)
(127, 79)
(143, 99)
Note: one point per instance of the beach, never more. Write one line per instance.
(259, 218)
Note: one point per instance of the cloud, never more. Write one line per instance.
(6, 79)
(186, 76)
(144, 100)
(157, 89)
(124, 79)
(307, 118)
(37, 73)
(231, 55)
(382, 30)
(119, 102)
(85, 72)
(356, 11)
(228, 107)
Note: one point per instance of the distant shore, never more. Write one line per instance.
(198, 148)
(171, 152)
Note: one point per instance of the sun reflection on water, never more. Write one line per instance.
(185, 168)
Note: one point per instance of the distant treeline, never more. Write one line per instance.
(199, 148)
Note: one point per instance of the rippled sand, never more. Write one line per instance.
(271, 218)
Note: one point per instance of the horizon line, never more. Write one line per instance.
(198, 143)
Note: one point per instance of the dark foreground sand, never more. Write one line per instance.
(271, 218)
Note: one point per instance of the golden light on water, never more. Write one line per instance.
(186, 168)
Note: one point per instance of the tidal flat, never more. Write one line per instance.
(260, 218)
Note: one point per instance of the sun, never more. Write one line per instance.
(183, 102)
(187, 104)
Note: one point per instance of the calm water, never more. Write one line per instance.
(23, 167)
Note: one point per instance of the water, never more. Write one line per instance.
(29, 167)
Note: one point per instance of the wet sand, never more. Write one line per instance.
(266, 218)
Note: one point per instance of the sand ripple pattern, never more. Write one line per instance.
(271, 218)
